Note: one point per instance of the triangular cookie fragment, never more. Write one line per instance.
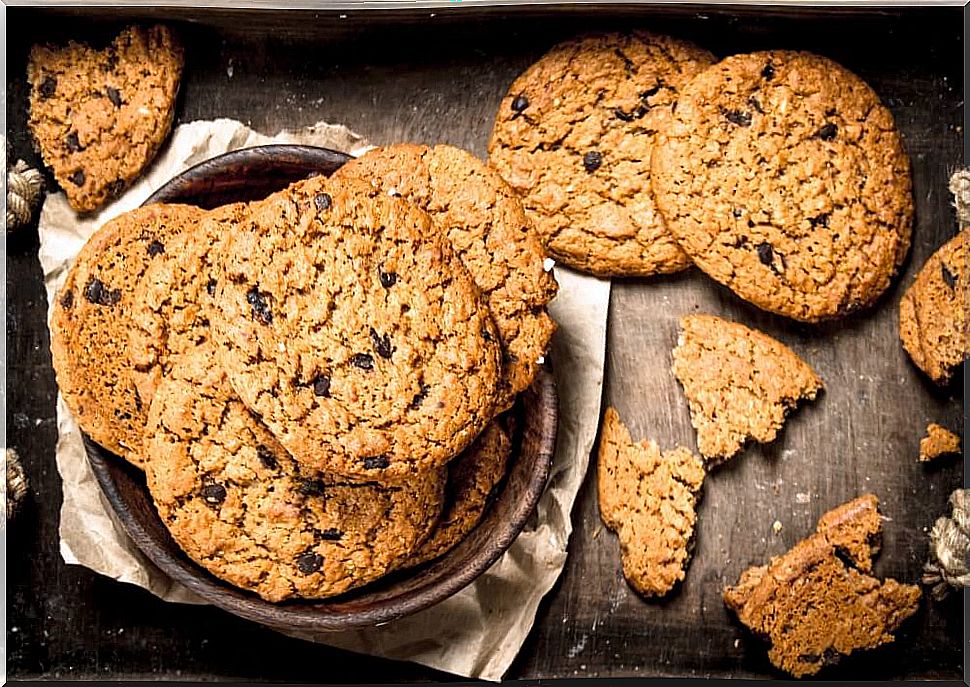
(939, 441)
(818, 602)
(648, 498)
(740, 384)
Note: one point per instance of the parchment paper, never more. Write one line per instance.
(477, 632)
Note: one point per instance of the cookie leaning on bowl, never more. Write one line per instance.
(90, 323)
(574, 136)
(487, 227)
(783, 177)
(99, 116)
(349, 326)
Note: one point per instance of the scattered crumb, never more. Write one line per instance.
(939, 441)
(776, 527)
(802, 497)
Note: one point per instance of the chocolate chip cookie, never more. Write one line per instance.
(167, 313)
(939, 441)
(91, 321)
(240, 506)
(648, 498)
(350, 327)
(488, 229)
(575, 135)
(933, 318)
(99, 116)
(740, 384)
(783, 177)
(819, 601)
(473, 478)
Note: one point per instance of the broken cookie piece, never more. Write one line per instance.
(648, 498)
(939, 441)
(819, 602)
(740, 384)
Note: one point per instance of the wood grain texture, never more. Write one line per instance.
(411, 77)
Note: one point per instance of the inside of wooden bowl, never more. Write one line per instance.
(251, 174)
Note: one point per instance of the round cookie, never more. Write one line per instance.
(99, 116)
(575, 135)
(354, 332)
(783, 177)
(91, 319)
(167, 314)
(240, 506)
(933, 318)
(472, 479)
(487, 228)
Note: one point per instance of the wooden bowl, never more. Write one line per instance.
(251, 174)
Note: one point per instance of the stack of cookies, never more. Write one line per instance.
(315, 384)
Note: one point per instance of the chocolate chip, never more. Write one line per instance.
(214, 493)
(210, 287)
(114, 95)
(737, 117)
(310, 487)
(737, 212)
(376, 462)
(96, 292)
(112, 60)
(765, 253)
(755, 105)
(651, 92)
(331, 534)
(948, 276)
(67, 300)
(382, 344)
(321, 386)
(267, 458)
(621, 115)
(419, 397)
(819, 220)
(827, 132)
(809, 658)
(843, 555)
(323, 201)
(362, 360)
(47, 86)
(768, 73)
(260, 306)
(388, 279)
(115, 187)
(592, 160)
(72, 143)
(155, 248)
(309, 562)
(77, 178)
(520, 102)
(487, 335)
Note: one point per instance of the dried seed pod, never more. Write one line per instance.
(947, 566)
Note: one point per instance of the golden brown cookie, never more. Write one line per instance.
(348, 325)
(472, 480)
(488, 229)
(740, 384)
(167, 310)
(819, 602)
(574, 136)
(91, 320)
(939, 441)
(648, 498)
(783, 177)
(933, 312)
(99, 116)
(241, 507)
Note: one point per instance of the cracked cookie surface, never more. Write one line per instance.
(168, 313)
(818, 601)
(648, 498)
(575, 135)
(241, 507)
(784, 178)
(933, 313)
(939, 441)
(351, 328)
(488, 229)
(99, 116)
(91, 319)
(473, 478)
(740, 384)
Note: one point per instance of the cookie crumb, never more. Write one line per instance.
(776, 527)
(939, 441)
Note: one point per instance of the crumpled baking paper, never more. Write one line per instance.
(477, 632)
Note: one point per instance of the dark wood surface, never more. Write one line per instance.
(414, 77)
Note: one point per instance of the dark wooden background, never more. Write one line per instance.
(418, 76)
